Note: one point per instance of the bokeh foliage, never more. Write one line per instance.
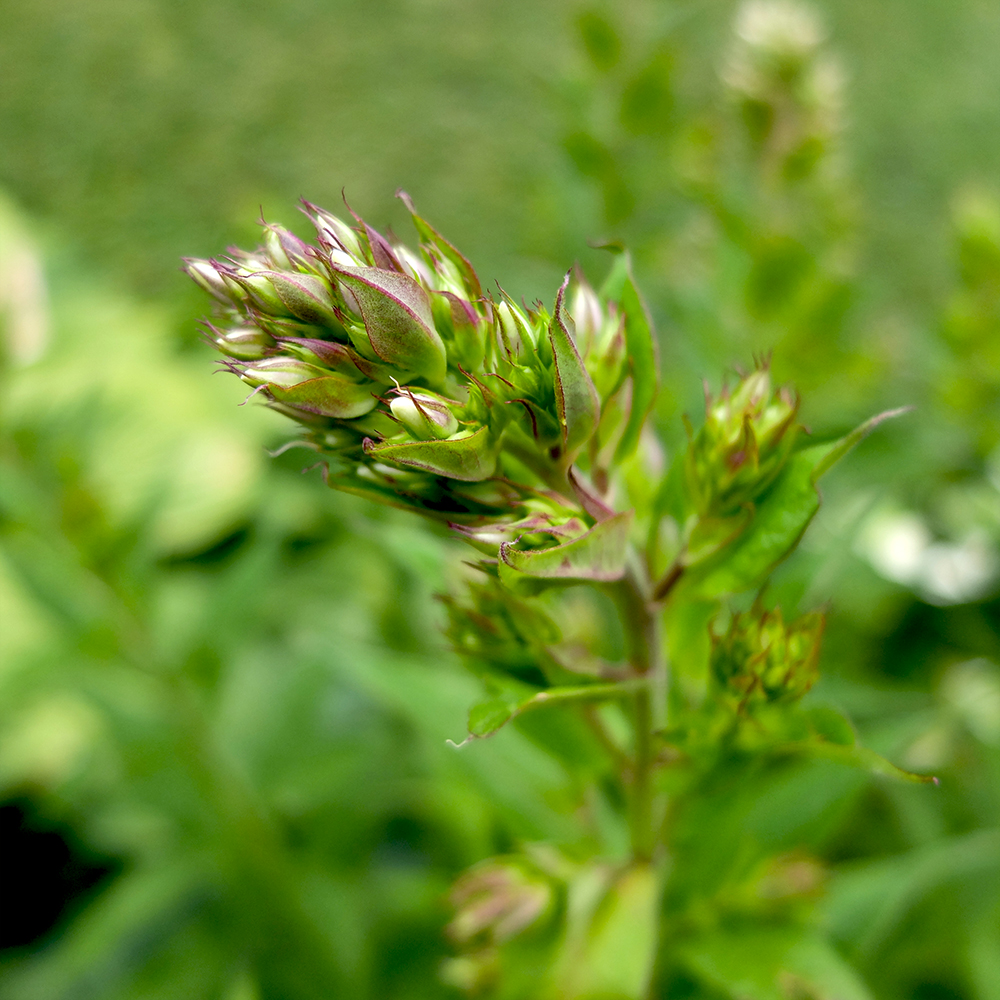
(230, 681)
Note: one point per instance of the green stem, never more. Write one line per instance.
(642, 631)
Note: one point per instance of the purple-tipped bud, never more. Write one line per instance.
(588, 316)
(207, 275)
(286, 251)
(306, 296)
(497, 900)
(280, 371)
(346, 248)
(424, 414)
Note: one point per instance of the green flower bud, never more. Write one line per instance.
(761, 659)
(746, 439)
(307, 297)
(259, 290)
(310, 389)
(343, 244)
(279, 371)
(424, 414)
(587, 314)
(245, 343)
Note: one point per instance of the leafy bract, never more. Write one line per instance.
(470, 458)
(576, 398)
(598, 554)
(398, 319)
(330, 396)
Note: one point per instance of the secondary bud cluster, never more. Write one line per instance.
(746, 439)
(761, 659)
(419, 389)
(789, 88)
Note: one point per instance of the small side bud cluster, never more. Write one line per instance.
(762, 660)
(746, 439)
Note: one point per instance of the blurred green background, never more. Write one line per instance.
(223, 699)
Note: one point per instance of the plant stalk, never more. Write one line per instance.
(642, 631)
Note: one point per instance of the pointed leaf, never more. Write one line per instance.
(430, 235)
(643, 363)
(490, 716)
(397, 317)
(597, 555)
(470, 458)
(576, 398)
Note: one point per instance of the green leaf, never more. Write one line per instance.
(773, 963)
(490, 716)
(576, 398)
(780, 519)
(471, 458)
(600, 39)
(643, 363)
(598, 554)
(864, 759)
(398, 319)
(611, 937)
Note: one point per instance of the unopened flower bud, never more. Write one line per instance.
(286, 251)
(306, 296)
(761, 659)
(588, 316)
(207, 275)
(424, 414)
(246, 343)
(280, 371)
(497, 900)
(340, 237)
(513, 327)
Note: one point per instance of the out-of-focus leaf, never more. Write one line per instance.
(643, 363)
(611, 935)
(488, 717)
(773, 964)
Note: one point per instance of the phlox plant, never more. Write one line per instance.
(611, 590)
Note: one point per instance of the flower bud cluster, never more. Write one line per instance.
(761, 660)
(747, 437)
(419, 389)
